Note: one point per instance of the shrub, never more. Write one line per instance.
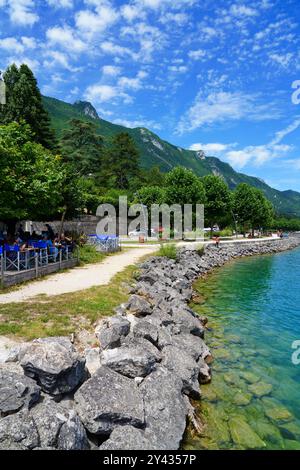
(168, 251)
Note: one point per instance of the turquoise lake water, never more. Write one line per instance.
(253, 402)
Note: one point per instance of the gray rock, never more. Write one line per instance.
(185, 367)
(107, 400)
(92, 359)
(136, 358)
(16, 391)
(59, 427)
(127, 438)
(144, 329)
(139, 306)
(193, 345)
(18, 432)
(110, 331)
(165, 409)
(204, 371)
(187, 321)
(54, 364)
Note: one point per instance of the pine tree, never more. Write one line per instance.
(82, 147)
(122, 160)
(24, 103)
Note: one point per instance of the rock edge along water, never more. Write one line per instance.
(133, 391)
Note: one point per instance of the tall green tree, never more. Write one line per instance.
(24, 103)
(252, 208)
(82, 147)
(122, 161)
(184, 187)
(149, 195)
(32, 179)
(218, 199)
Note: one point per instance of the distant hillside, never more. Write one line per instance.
(157, 152)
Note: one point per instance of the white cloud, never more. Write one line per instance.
(178, 18)
(282, 59)
(22, 12)
(178, 68)
(257, 155)
(110, 48)
(66, 38)
(111, 70)
(212, 148)
(96, 22)
(61, 3)
(29, 42)
(197, 54)
(33, 64)
(59, 59)
(137, 123)
(243, 10)
(11, 44)
(99, 93)
(135, 83)
(279, 136)
(131, 12)
(261, 154)
(224, 106)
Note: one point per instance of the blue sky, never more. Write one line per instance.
(215, 75)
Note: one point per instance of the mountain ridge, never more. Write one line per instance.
(155, 151)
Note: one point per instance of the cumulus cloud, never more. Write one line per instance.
(61, 3)
(243, 10)
(218, 107)
(197, 54)
(95, 22)
(99, 93)
(111, 70)
(15, 45)
(137, 123)
(22, 12)
(213, 148)
(261, 154)
(66, 38)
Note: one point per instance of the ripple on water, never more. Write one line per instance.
(253, 309)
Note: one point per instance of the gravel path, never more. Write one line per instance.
(78, 279)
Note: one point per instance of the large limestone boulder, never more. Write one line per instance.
(165, 409)
(16, 391)
(193, 345)
(54, 364)
(59, 427)
(128, 438)
(138, 306)
(136, 358)
(187, 321)
(145, 329)
(110, 331)
(185, 367)
(18, 432)
(107, 400)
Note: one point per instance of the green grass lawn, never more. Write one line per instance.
(64, 314)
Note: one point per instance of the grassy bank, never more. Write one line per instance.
(64, 314)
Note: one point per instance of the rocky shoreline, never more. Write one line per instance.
(133, 391)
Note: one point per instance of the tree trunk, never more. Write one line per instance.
(62, 222)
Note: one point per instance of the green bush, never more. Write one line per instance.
(89, 254)
(168, 250)
(200, 250)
